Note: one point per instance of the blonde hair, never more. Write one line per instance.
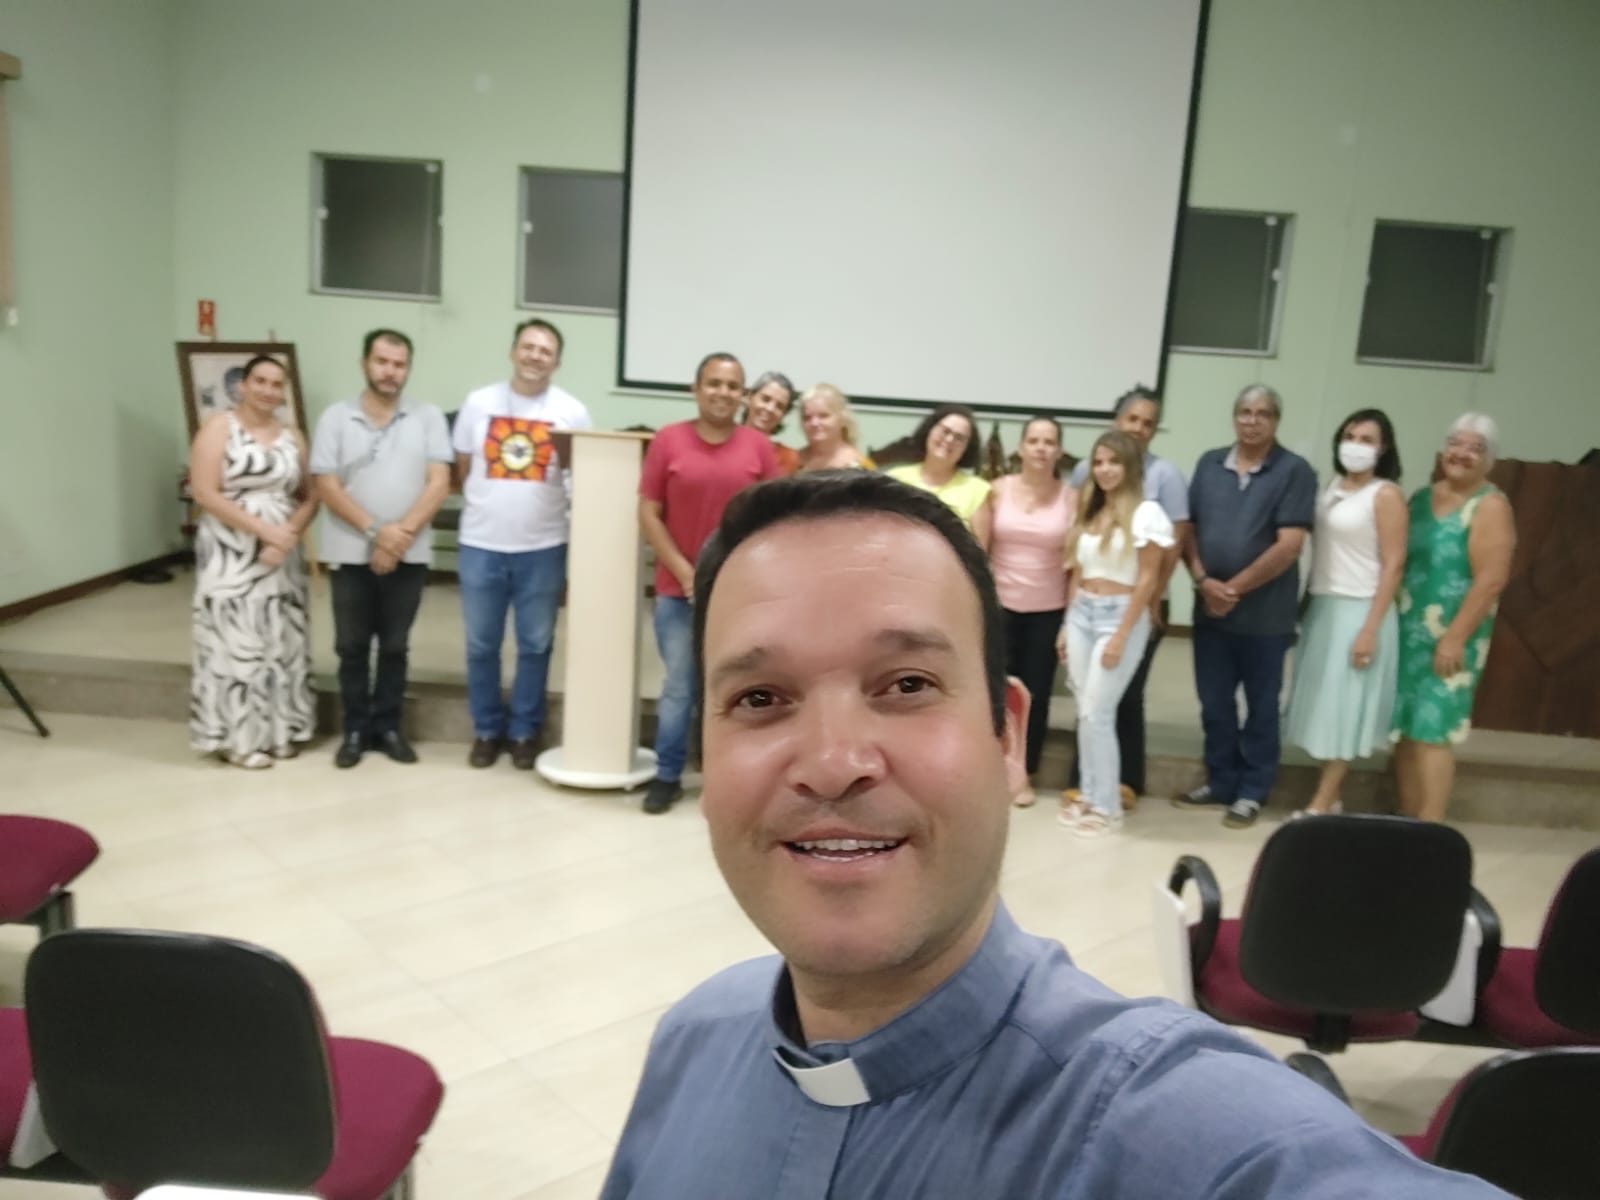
(838, 404)
(1121, 503)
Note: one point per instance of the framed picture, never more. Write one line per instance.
(210, 372)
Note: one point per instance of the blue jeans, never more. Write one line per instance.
(1241, 760)
(1091, 621)
(529, 584)
(674, 620)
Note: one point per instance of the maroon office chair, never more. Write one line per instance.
(1350, 924)
(1524, 1121)
(187, 1059)
(38, 859)
(1549, 994)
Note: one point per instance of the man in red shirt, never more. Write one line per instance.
(691, 471)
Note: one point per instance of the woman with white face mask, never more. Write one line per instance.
(1344, 666)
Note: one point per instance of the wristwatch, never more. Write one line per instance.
(371, 533)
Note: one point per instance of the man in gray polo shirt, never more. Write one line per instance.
(382, 467)
(1251, 504)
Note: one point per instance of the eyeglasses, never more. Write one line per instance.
(1476, 447)
(1251, 416)
(958, 436)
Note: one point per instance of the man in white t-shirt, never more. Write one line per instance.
(512, 552)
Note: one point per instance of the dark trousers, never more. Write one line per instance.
(1130, 721)
(368, 606)
(1031, 657)
(1241, 760)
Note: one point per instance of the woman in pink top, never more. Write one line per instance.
(1027, 552)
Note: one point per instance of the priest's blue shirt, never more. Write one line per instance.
(1018, 1078)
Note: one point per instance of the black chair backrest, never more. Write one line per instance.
(1352, 914)
(179, 1058)
(1525, 1122)
(1566, 977)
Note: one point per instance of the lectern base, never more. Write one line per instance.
(641, 772)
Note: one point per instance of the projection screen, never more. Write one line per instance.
(915, 200)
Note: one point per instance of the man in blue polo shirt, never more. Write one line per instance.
(1251, 504)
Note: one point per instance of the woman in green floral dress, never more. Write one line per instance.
(1458, 559)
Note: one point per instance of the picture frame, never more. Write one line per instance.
(206, 370)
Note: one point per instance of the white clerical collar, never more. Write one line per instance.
(835, 1084)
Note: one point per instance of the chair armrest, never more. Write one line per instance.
(1489, 923)
(1316, 1069)
(1190, 869)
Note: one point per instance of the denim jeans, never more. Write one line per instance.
(368, 606)
(1241, 760)
(1091, 621)
(1130, 721)
(528, 584)
(674, 621)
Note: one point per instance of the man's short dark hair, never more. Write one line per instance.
(973, 454)
(716, 356)
(1134, 394)
(540, 323)
(384, 335)
(820, 494)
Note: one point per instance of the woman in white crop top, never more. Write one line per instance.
(1115, 561)
(1345, 664)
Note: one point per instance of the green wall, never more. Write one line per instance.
(90, 424)
(1338, 111)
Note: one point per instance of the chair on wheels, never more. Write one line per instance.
(1544, 995)
(177, 1058)
(38, 859)
(1350, 924)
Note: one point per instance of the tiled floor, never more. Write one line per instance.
(526, 939)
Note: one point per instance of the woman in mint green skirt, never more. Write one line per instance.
(1458, 562)
(1349, 648)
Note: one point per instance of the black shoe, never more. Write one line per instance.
(350, 750)
(484, 752)
(394, 744)
(523, 753)
(1242, 814)
(658, 797)
(1200, 797)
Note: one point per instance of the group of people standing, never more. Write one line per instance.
(1393, 632)
(382, 465)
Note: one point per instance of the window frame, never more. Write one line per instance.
(524, 175)
(319, 217)
(1277, 277)
(1501, 236)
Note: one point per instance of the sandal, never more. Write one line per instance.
(253, 761)
(1073, 808)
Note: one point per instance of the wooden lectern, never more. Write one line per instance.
(605, 581)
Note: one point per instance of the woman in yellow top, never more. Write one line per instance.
(949, 467)
(830, 428)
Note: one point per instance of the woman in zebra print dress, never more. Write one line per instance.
(250, 691)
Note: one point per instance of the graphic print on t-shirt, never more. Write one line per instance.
(517, 448)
